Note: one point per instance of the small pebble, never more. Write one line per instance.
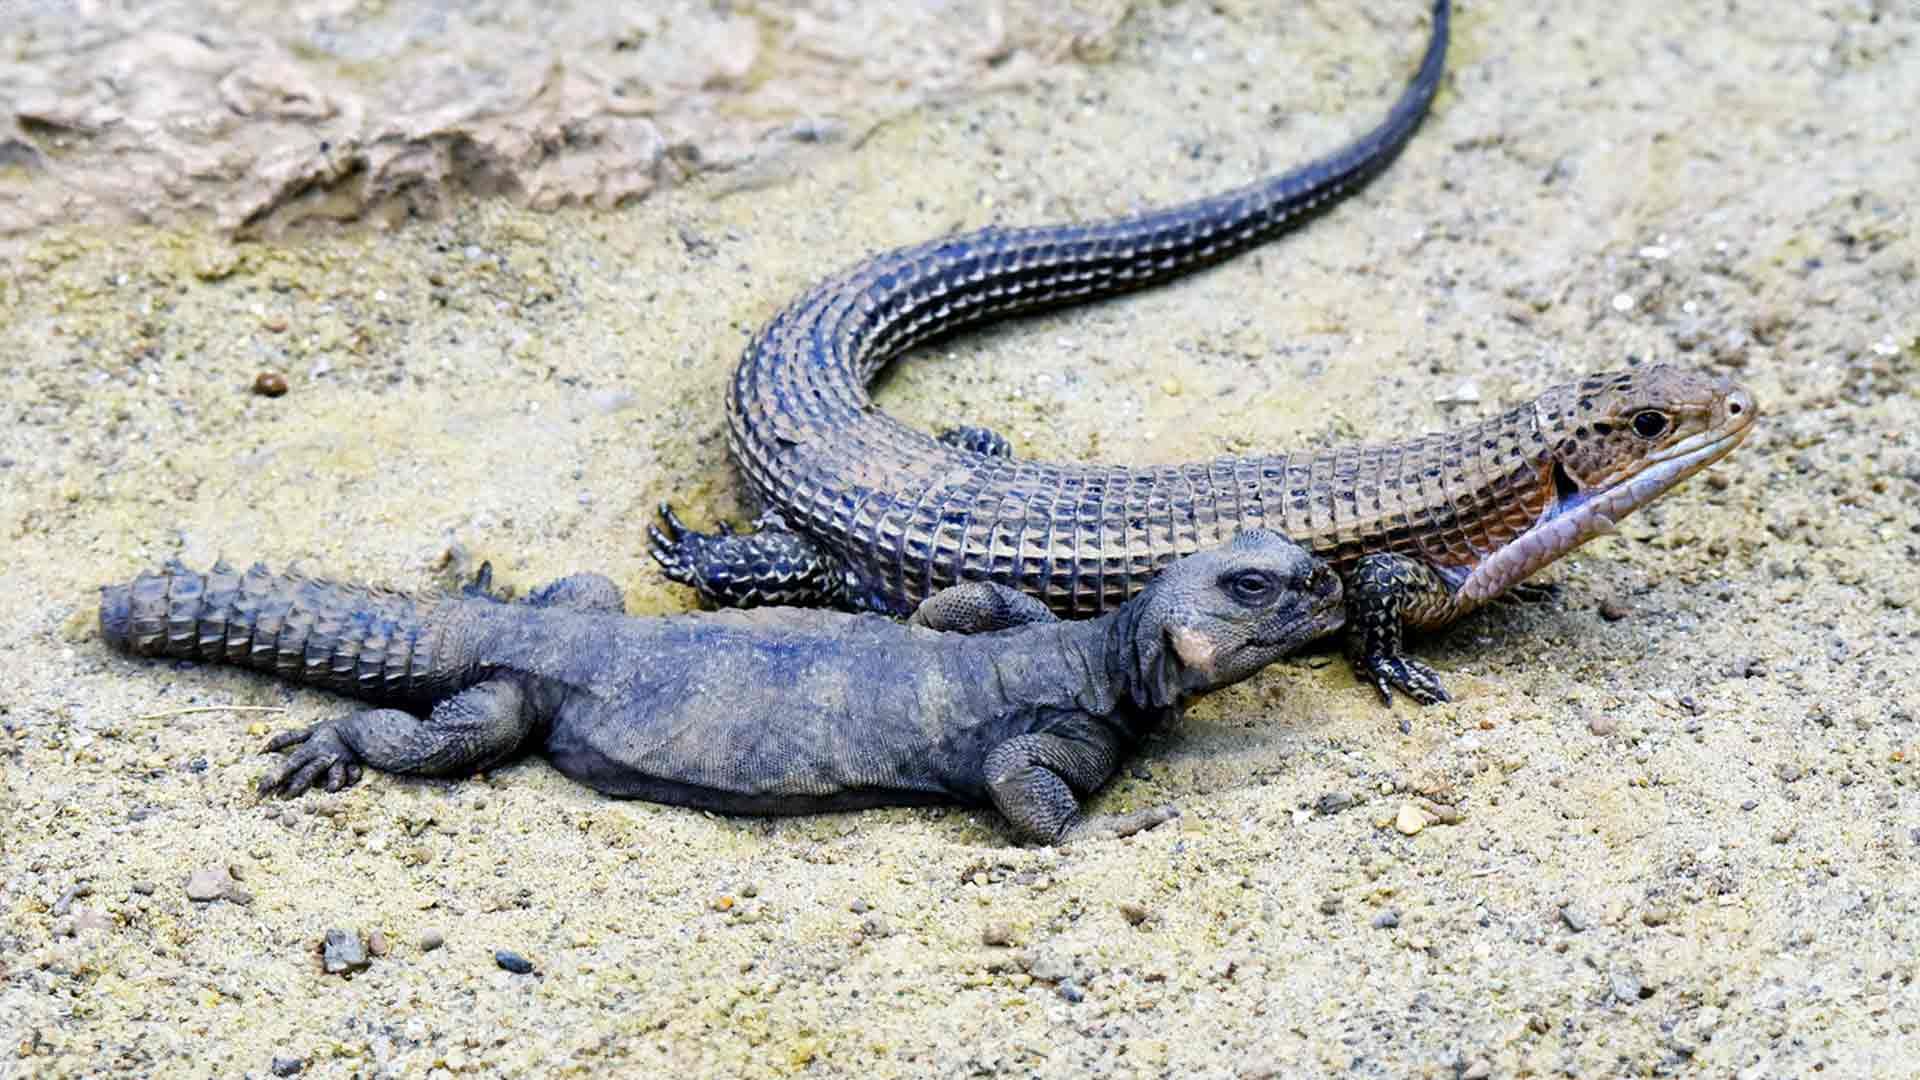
(208, 884)
(1613, 610)
(1333, 802)
(1478, 1069)
(287, 1066)
(270, 384)
(1386, 920)
(1411, 819)
(1071, 992)
(858, 907)
(144, 888)
(998, 934)
(377, 944)
(1603, 724)
(87, 918)
(512, 961)
(431, 940)
(1783, 834)
(1135, 914)
(1575, 921)
(1329, 904)
(1627, 987)
(342, 951)
(1656, 915)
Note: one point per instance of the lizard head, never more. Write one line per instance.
(1217, 616)
(1610, 444)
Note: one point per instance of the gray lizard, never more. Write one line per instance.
(984, 696)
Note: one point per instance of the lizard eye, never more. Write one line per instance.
(1649, 423)
(1248, 586)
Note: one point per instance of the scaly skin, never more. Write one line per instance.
(868, 514)
(778, 711)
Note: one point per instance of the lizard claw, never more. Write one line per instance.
(320, 757)
(1117, 825)
(481, 588)
(1421, 682)
(664, 543)
(1531, 592)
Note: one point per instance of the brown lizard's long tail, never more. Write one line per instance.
(370, 643)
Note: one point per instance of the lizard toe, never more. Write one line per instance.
(319, 757)
(1420, 682)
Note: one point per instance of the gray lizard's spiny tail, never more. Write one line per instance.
(372, 644)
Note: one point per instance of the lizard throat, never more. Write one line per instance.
(1577, 516)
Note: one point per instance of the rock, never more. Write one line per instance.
(286, 1066)
(512, 961)
(1333, 802)
(1656, 915)
(1477, 1069)
(1411, 819)
(87, 918)
(1050, 965)
(998, 934)
(377, 944)
(1070, 992)
(431, 940)
(144, 888)
(1627, 988)
(1386, 920)
(1603, 724)
(1575, 921)
(343, 952)
(1613, 609)
(1135, 914)
(208, 884)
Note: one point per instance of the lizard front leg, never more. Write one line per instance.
(466, 732)
(979, 607)
(1036, 781)
(773, 565)
(1385, 592)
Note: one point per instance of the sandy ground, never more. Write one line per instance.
(1682, 841)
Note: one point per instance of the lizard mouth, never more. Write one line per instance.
(1317, 625)
(1577, 516)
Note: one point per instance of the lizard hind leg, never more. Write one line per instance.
(774, 565)
(464, 733)
(1384, 593)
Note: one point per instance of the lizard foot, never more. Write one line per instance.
(320, 756)
(1530, 592)
(773, 565)
(481, 587)
(1116, 825)
(1388, 670)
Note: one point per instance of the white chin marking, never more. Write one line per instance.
(1194, 649)
(1565, 530)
